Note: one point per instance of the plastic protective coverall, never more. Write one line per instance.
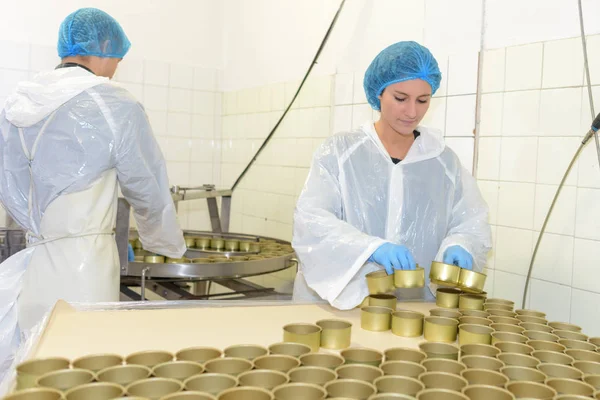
(66, 139)
(355, 199)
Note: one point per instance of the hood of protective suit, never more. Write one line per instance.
(34, 100)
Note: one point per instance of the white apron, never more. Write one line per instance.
(74, 256)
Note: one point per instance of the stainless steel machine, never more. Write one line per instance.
(213, 257)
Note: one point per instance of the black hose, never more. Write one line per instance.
(312, 64)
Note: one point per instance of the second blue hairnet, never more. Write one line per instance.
(92, 32)
(402, 61)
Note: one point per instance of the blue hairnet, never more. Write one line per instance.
(402, 61)
(92, 32)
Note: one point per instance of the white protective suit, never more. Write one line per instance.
(67, 139)
(355, 199)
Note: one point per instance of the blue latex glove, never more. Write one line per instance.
(393, 256)
(456, 255)
(130, 255)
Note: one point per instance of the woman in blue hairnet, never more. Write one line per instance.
(68, 140)
(388, 195)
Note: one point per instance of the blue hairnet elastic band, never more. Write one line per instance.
(382, 88)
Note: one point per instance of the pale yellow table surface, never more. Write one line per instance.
(73, 333)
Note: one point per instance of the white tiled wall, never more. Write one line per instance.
(182, 103)
(534, 113)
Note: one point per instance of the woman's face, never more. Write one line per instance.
(404, 104)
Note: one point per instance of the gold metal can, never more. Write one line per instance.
(531, 313)
(217, 244)
(484, 377)
(154, 259)
(212, 383)
(447, 297)
(315, 375)
(190, 241)
(583, 355)
(471, 281)
(434, 394)
(570, 386)
(246, 393)
(181, 260)
(440, 329)
(512, 347)
(444, 274)
(523, 374)
(200, 354)
(228, 365)
(475, 321)
(552, 357)
(403, 368)
(445, 312)
(325, 360)
(294, 391)
(471, 301)
(518, 360)
(276, 362)
(570, 335)
(474, 313)
(254, 247)
(530, 390)
(149, 358)
(529, 318)
(383, 300)
(478, 349)
(577, 344)
(407, 323)
(376, 319)
(482, 362)
(485, 392)
(443, 380)
(469, 334)
(65, 379)
(361, 372)
(444, 365)
(362, 356)
(178, 370)
(407, 279)
(508, 337)
(406, 354)
(29, 371)
(245, 245)
(335, 334)
(124, 374)
(97, 362)
(544, 336)
(350, 388)
(307, 334)
(203, 243)
(546, 345)
(289, 349)
(560, 371)
(507, 328)
(439, 350)
(36, 393)
(232, 245)
(380, 282)
(97, 390)
(246, 351)
(500, 301)
(398, 384)
(501, 313)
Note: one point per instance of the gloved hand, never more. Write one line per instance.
(130, 254)
(393, 256)
(456, 255)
